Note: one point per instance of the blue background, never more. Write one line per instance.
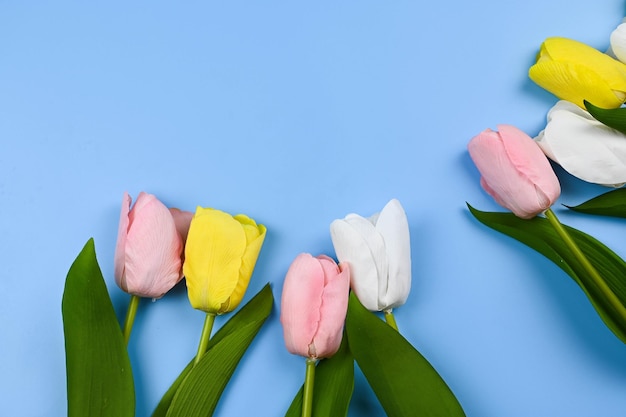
(295, 114)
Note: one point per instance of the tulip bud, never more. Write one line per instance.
(220, 255)
(378, 251)
(149, 247)
(575, 72)
(314, 305)
(583, 146)
(514, 171)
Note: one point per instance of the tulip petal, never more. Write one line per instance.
(153, 249)
(255, 235)
(564, 49)
(119, 259)
(334, 307)
(583, 146)
(618, 42)
(393, 225)
(300, 303)
(182, 220)
(557, 78)
(353, 248)
(215, 245)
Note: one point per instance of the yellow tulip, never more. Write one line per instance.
(574, 71)
(220, 255)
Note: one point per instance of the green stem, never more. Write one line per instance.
(591, 270)
(390, 319)
(205, 336)
(130, 316)
(307, 395)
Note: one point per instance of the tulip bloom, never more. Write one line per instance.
(583, 146)
(514, 171)
(379, 253)
(314, 305)
(575, 72)
(149, 246)
(220, 255)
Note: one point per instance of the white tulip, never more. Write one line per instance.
(583, 146)
(379, 254)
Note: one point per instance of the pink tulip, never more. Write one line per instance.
(514, 171)
(314, 305)
(149, 247)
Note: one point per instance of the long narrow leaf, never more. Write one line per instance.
(538, 234)
(334, 383)
(200, 391)
(405, 383)
(612, 203)
(613, 118)
(246, 314)
(99, 377)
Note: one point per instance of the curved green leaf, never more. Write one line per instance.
(613, 118)
(538, 234)
(405, 383)
(612, 204)
(246, 314)
(99, 376)
(200, 390)
(334, 383)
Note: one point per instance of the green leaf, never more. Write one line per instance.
(248, 313)
(538, 234)
(612, 204)
(99, 376)
(334, 383)
(166, 400)
(613, 118)
(405, 383)
(201, 388)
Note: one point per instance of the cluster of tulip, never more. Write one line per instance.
(216, 253)
(585, 134)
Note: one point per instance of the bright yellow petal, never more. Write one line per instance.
(568, 50)
(215, 246)
(255, 235)
(574, 82)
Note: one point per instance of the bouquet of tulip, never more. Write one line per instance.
(326, 313)
(586, 135)
(156, 246)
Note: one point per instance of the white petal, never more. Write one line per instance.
(618, 42)
(583, 146)
(351, 247)
(394, 227)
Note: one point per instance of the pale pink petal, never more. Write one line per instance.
(182, 220)
(334, 307)
(300, 303)
(120, 248)
(153, 249)
(393, 226)
(143, 199)
(530, 162)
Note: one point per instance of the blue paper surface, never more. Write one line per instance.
(294, 114)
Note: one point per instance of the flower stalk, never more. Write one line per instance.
(601, 285)
(390, 319)
(205, 336)
(133, 304)
(307, 394)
